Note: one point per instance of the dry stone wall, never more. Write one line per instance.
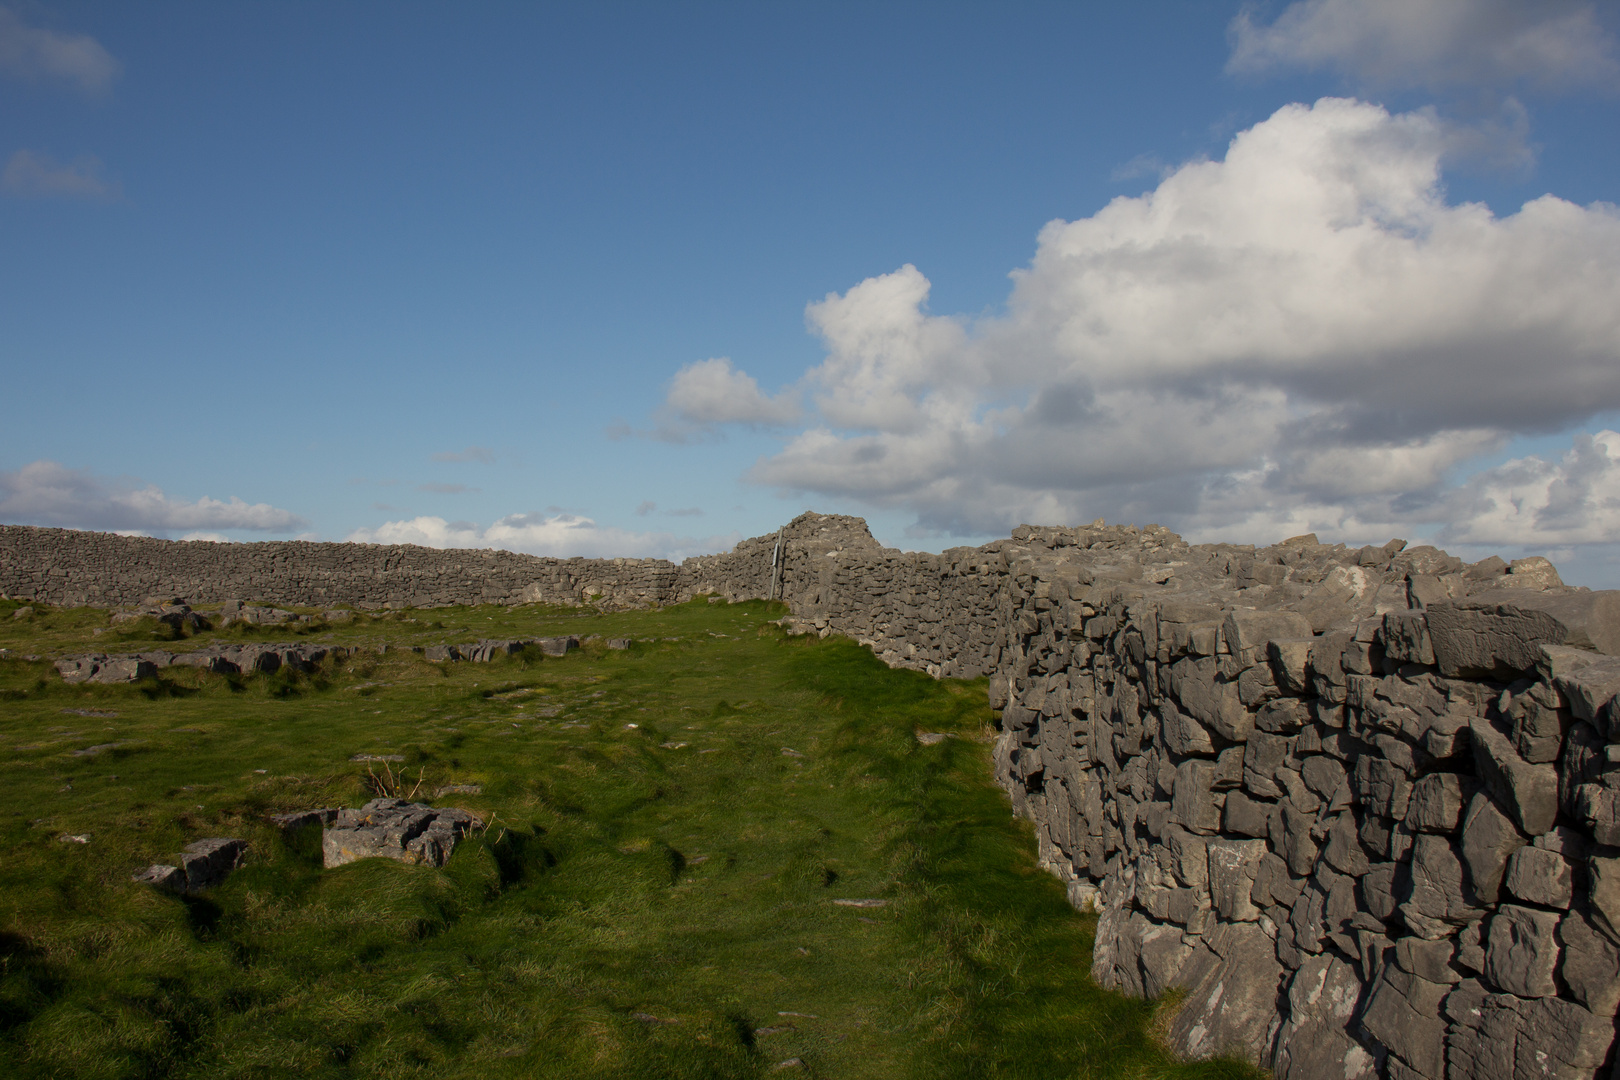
(71, 568)
(1357, 803)
(1363, 805)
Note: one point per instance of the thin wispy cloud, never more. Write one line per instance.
(31, 174)
(482, 454)
(48, 493)
(37, 54)
(1435, 44)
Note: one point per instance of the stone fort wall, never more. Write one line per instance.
(1362, 804)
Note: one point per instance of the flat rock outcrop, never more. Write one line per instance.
(395, 829)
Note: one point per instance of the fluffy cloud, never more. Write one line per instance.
(31, 175)
(35, 54)
(1434, 43)
(711, 392)
(1528, 501)
(46, 493)
(1304, 335)
(555, 535)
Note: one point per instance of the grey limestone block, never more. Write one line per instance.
(1378, 888)
(298, 819)
(1382, 788)
(1597, 805)
(206, 863)
(1437, 802)
(1403, 1015)
(1210, 701)
(1539, 876)
(1194, 805)
(1343, 850)
(1521, 952)
(1233, 865)
(1590, 964)
(1587, 681)
(395, 829)
(1429, 960)
(1435, 900)
(558, 646)
(1529, 792)
(1496, 1036)
(168, 878)
(1488, 838)
(1290, 661)
(1314, 1041)
(1232, 981)
(1405, 637)
(1505, 630)
(1247, 817)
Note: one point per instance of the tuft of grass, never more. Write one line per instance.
(653, 895)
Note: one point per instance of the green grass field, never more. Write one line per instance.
(653, 896)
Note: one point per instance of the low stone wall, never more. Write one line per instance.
(1359, 804)
(1362, 804)
(72, 568)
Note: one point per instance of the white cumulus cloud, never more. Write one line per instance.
(47, 493)
(1434, 43)
(710, 392)
(556, 535)
(1575, 500)
(1303, 336)
(37, 54)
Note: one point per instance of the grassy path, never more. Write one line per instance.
(655, 897)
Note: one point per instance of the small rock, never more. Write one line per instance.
(208, 862)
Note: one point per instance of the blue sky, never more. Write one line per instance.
(646, 278)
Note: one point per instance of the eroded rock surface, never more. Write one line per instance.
(395, 829)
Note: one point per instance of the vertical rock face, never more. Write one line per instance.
(1360, 804)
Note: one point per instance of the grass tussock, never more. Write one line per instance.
(653, 896)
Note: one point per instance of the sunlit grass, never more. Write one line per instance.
(653, 896)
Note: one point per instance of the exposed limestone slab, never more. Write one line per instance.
(395, 829)
(1505, 630)
(1232, 982)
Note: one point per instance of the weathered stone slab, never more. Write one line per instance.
(1230, 1008)
(395, 829)
(1528, 792)
(1503, 631)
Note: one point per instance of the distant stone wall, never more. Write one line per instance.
(72, 568)
(1362, 804)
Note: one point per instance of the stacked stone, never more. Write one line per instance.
(1356, 802)
(933, 613)
(223, 658)
(73, 568)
